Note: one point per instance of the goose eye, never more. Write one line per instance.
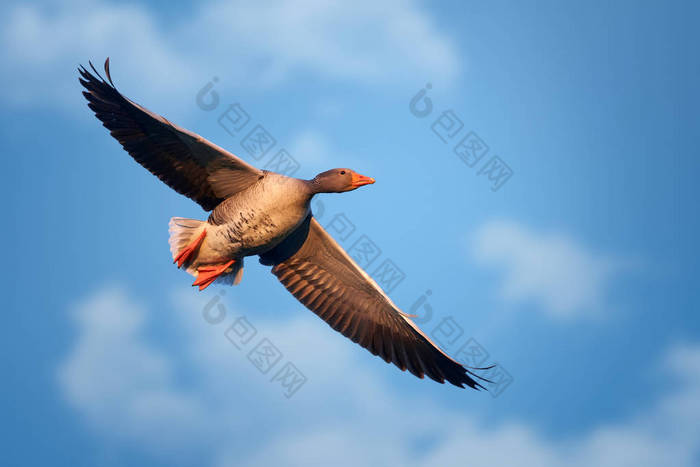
(342, 172)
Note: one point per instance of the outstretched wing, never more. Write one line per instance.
(186, 162)
(322, 276)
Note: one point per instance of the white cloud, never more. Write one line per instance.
(554, 271)
(250, 43)
(362, 40)
(43, 46)
(119, 381)
(314, 151)
(345, 415)
(310, 146)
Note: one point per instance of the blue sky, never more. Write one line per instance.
(577, 275)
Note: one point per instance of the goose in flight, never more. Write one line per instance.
(258, 212)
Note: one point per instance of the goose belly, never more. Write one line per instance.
(252, 230)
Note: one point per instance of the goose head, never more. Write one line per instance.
(339, 181)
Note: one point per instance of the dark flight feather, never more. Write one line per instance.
(183, 160)
(325, 279)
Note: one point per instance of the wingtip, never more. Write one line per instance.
(109, 75)
(96, 75)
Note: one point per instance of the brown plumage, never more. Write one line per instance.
(180, 158)
(256, 212)
(322, 276)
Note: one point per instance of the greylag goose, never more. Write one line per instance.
(258, 212)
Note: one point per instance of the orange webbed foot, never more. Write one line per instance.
(206, 275)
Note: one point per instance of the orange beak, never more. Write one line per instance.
(359, 180)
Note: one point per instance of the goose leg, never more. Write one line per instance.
(187, 252)
(208, 274)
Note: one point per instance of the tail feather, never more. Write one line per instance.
(182, 232)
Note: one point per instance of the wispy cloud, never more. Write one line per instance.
(120, 377)
(553, 270)
(119, 381)
(253, 43)
(43, 45)
(311, 147)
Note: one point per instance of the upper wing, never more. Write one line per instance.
(322, 276)
(185, 161)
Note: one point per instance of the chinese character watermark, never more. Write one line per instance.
(263, 354)
(470, 149)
